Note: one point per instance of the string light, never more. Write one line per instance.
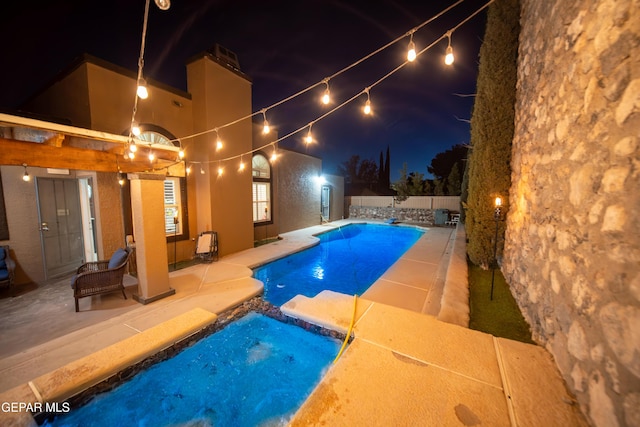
(326, 96)
(265, 126)
(411, 52)
(142, 91)
(163, 4)
(188, 170)
(132, 146)
(151, 155)
(26, 177)
(448, 58)
(367, 105)
(121, 179)
(242, 166)
(181, 153)
(309, 138)
(219, 143)
(220, 170)
(325, 82)
(135, 129)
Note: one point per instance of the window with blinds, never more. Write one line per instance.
(261, 202)
(172, 207)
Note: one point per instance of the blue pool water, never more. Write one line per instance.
(347, 260)
(255, 371)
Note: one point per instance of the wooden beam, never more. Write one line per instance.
(14, 152)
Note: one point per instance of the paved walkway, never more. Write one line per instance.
(403, 368)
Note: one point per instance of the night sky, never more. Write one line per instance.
(283, 47)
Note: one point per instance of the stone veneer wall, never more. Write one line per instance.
(426, 216)
(572, 242)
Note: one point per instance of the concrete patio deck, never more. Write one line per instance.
(404, 367)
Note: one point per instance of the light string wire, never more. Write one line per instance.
(140, 63)
(352, 98)
(326, 79)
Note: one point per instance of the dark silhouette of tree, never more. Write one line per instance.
(454, 183)
(387, 170)
(444, 162)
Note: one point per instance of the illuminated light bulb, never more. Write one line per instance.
(135, 129)
(367, 107)
(218, 144)
(201, 171)
(142, 91)
(266, 128)
(220, 171)
(181, 153)
(242, 166)
(132, 155)
(188, 170)
(121, 180)
(26, 177)
(411, 53)
(448, 58)
(151, 156)
(326, 97)
(309, 138)
(274, 156)
(163, 4)
(498, 202)
(132, 148)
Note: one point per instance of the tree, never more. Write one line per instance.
(358, 173)
(444, 162)
(408, 185)
(492, 128)
(349, 169)
(454, 183)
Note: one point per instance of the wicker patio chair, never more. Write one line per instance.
(7, 269)
(101, 277)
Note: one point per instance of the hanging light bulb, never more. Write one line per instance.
(188, 169)
(163, 4)
(220, 171)
(309, 138)
(242, 166)
(121, 180)
(265, 126)
(448, 57)
(367, 105)
(142, 91)
(132, 147)
(411, 52)
(219, 143)
(135, 129)
(326, 96)
(26, 177)
(201, 170)
(181, 153)
(274, 155)
(151, 156)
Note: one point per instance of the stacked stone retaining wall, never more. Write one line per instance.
(424, 216)
(572, 242)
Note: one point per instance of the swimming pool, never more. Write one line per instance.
(347, 260)
(255, 371)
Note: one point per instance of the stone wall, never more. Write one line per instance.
(425, 216)
(572, 242)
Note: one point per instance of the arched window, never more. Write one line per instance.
(261, 171)
(176, 224)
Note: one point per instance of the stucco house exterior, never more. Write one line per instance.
(84, 190)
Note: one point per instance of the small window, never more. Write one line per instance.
(261, 189)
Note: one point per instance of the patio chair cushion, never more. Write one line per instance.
(117, 258)
(3, 264)
(4, 273)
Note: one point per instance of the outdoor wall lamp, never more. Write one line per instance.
(26, 177)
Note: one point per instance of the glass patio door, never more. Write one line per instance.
(60, 225)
